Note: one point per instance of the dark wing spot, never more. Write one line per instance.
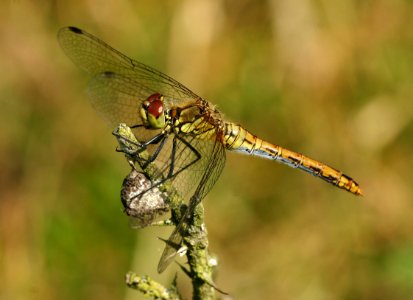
(75, 29)
(108, 74)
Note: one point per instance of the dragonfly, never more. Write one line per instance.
(185, 136)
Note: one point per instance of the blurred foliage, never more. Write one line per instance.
(331, 79)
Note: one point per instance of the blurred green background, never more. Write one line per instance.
(331, 79)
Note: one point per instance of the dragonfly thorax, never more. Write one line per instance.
(152, 112)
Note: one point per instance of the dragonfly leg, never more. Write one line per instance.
(171, 163)
(122, 137)
(160, 138)
(173, 155)
(136, 126)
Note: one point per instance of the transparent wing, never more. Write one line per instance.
(117, 98)
(96, 57)
(212, 171)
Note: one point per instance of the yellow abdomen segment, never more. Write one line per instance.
(239, 139)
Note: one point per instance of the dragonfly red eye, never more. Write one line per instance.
(155, 105)
(155, 108)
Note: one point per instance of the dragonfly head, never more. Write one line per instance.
(152, 112)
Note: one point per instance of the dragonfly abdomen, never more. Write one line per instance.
(238, 139)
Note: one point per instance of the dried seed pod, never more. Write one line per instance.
(142, 202)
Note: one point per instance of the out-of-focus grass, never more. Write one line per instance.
(331, 80)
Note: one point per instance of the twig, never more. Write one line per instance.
(201, 264)
(151, 288)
